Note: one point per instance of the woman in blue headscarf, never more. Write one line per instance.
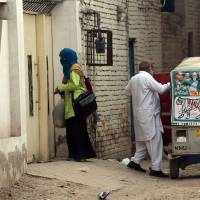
(78, 141)
(68, 57)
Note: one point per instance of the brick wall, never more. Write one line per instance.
(175, 28)
(193, 23)
(174, 46)
(113, 138)
(145, 27)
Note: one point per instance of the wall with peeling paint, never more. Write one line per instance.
(13, 137)
(12, 159)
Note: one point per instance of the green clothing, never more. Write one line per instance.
(74, 85)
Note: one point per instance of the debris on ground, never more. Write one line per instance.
(103, 195)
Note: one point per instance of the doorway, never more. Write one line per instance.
(39, 87)
(132, 73)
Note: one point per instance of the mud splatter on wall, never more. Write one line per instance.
(12, 165)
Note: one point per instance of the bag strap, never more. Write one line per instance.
(77, 68)
(72, 95)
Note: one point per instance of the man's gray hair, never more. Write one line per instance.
(144, 66)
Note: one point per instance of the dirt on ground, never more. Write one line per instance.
(38, 188)
(68, 180)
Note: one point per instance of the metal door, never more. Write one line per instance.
(50, 84)
(32, 96)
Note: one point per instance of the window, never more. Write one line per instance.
(168, 6)
(99, 48)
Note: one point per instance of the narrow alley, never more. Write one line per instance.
(51, 50)
(68, 180)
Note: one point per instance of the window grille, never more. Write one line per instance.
(168, 5)
(99, 47)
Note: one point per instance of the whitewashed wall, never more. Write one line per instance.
(66, 34)
(13, 146)
(4, 81)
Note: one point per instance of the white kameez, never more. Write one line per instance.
(144, 90)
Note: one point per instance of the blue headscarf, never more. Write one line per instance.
(68, 57)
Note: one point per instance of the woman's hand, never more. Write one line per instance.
(64, 80)
(62, 94)
(56, 91)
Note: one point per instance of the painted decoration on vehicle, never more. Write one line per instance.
(198, 132)
(186, 97)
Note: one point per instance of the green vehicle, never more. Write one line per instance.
(185, 115)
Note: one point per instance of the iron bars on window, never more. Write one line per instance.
(99, 47)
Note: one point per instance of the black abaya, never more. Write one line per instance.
(78, 141)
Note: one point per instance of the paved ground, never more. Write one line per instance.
(68, 180)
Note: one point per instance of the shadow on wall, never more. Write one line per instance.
(12, 165)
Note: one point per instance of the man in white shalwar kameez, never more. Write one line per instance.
(148, 128)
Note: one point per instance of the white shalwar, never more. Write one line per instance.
(148, 128)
